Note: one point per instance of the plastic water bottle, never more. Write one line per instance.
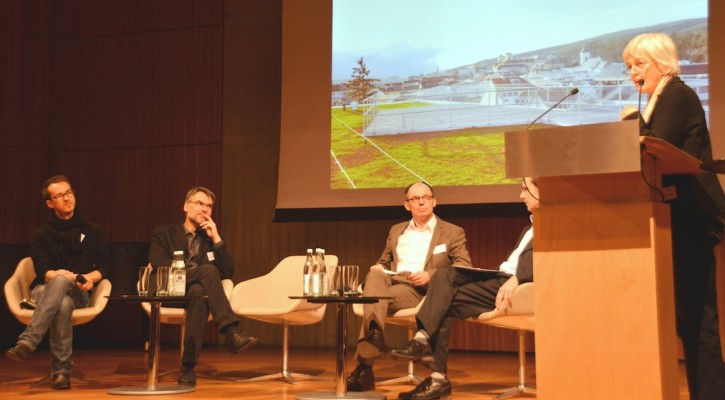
(306, 281)
(177, 275)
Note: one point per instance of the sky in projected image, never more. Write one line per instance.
(451, 77)
(408, 37)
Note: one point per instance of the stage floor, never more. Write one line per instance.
(475, 375)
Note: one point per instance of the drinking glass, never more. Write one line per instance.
(349, 280)
(162, 281)
(143, 281)
(334, 280)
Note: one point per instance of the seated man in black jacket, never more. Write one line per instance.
(70, 255)
(464, 294)
(207, 263)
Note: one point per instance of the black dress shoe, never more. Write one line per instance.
(61, 381)
(21, 352)
(373, 345)
(413, 351)
(361, 379)
(428, 390)
(237, 342)
(187, 376)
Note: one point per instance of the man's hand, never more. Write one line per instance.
(52, 274)
(209, 226)
(83, 282)
(420, 278)
(505, 292)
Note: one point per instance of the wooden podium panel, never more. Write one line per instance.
(604, 300)
(605, 320)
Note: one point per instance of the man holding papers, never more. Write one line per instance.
(414, 251)
(461, 293)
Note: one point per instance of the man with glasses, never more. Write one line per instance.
(70, 255)
(207, 263)
(414, 251)
(464, 294)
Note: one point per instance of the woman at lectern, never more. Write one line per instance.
(674, 113)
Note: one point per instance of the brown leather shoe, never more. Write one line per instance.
(361, 379)
(21, 352)
(373, 345)
(61, 381)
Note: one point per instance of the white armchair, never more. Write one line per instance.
(17, 288)
(266, 298)
(521, 318)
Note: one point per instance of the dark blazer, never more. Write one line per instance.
(168, 238)
(447, 235)
(679, 119)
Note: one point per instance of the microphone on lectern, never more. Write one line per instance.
(571, 93)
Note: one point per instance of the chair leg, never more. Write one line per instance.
(410, 377)
(521, 388)
(285, 374)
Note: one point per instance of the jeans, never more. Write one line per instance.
(56, 301)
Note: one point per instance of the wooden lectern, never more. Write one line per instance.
(604, 301)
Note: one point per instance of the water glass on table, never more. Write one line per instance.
(142, 287)
(349, 278)
(334, 280)
(162, 281)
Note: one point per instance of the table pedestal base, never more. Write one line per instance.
(340, 379)
(145, 390)
(151, 387)
(347, 395)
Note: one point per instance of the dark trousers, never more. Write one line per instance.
(453, 293)
(696, 308)
(204, 280)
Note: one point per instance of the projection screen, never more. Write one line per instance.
(379, 94)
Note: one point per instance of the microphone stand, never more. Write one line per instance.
(639, 98)
(571, 93)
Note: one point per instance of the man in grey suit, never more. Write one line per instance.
(414, 250)
(457, 293)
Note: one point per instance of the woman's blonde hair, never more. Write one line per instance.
(656, 46)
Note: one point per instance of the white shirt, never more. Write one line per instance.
(509, 266)
(413, 246)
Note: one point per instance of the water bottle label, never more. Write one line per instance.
(179, 284)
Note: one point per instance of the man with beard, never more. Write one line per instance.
(207, 263)
(70, 255)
